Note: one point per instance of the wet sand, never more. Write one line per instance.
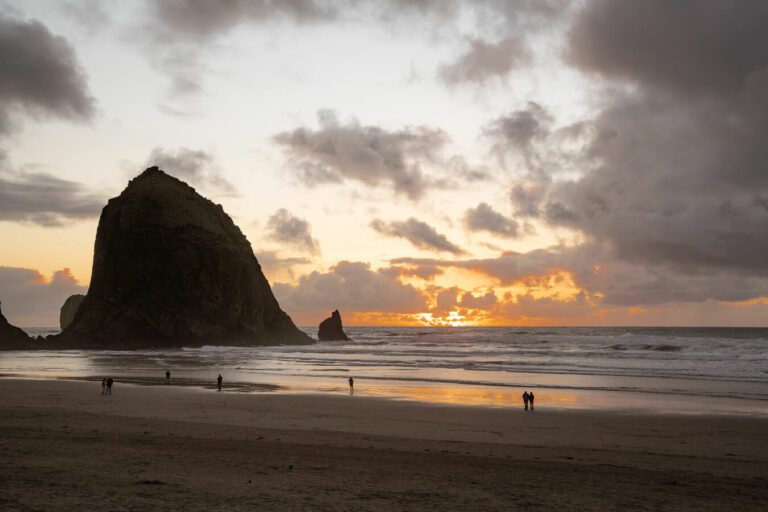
(65, 446)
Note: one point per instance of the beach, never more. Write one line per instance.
(163, 447)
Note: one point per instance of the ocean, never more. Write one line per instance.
(676, 370)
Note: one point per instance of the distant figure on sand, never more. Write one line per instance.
(530, 397)
(167, 376)
(351, 386)
(219, 381)
(109, 385)
(103, 386)
(526, 397)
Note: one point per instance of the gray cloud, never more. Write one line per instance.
(367, 154)
(180, 31)
(194, 166)
(29, 299)
(41, 75)
(350, 286)
(485, 301)
(203, 19)
(418, 233)
(286, 228)
(677, 175)
(485, 218)
(696, 46)
(484, 61)
(43, 199)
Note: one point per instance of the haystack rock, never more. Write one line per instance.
(171, 269)
(331, 330)
(12, 337)
(69, 309)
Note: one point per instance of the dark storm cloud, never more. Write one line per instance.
(485, 218)
(43, 199)
(691, 46)
(351, 286)
(29, 299)
(367, 154)
(286, 228)
(484, 61)
(194, 166)
(677, 166)
(41, 76)
(418, 233)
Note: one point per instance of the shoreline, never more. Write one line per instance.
(67, 447)
(624, 402)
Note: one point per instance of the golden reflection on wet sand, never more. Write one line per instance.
(460, 395)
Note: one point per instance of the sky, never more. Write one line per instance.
(409, 162)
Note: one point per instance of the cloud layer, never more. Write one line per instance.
(418, 233)
(41, 75)
(484, 61)
(285, 228)
(44, 199)
(367, 154)
(31, 300)
(349, 286)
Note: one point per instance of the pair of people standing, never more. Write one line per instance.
(528, 399)
(106, 386)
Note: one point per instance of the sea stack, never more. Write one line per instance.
(68, 310)
(171, 269)
(12, 337)
(331, 330)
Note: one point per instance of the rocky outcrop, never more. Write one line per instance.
(331, 329)
(69, 309)
(171, 269)
(12, 337)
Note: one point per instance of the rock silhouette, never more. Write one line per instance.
(171, 269)
(12, 337)
(331, 329)
(69, 309)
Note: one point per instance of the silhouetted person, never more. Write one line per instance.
(219, 381)
(109, 385)
(530, 397)
(167, 376)
(351, 386)
(526, 397)
(103, 386)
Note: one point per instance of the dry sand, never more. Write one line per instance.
(64, 446)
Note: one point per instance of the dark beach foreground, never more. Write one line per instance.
(66, 447)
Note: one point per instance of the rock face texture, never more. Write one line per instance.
(171, 269)
(69, 309)
(331, 330)
(11, 337)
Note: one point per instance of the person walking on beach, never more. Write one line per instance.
(103, 386)
(219, 381)
(526, 397)
(109, 385)
(351, 386)
(167, 376)
(530, 399)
